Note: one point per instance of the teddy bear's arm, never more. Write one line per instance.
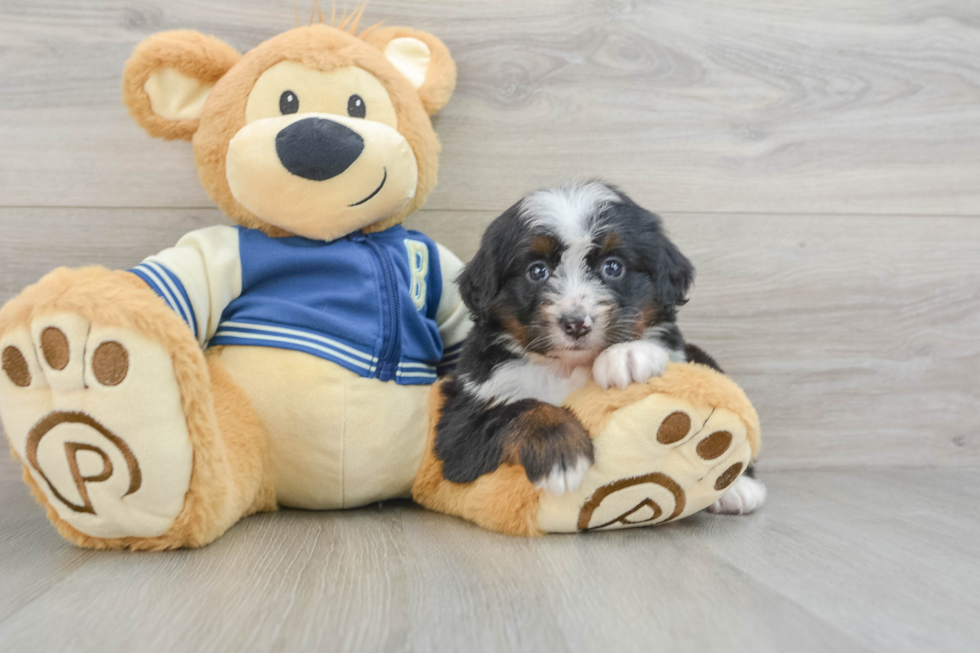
(198, 277)
(452, 315)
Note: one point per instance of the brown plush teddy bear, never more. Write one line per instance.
(290, 360)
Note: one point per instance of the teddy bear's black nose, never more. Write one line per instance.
(318, 148)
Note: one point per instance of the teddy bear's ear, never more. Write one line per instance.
(420, 57)
(168, 78)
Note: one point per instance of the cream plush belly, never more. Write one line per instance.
(336, 440)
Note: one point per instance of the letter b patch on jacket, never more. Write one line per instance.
(418, 264)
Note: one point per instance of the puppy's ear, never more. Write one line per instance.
(168, 78)
(479, 282)
(482, 278)
(674, 275)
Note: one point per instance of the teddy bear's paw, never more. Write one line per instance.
(657, 460)
(95, 415)
(745, 495)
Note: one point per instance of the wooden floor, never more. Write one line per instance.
(850, 560)
(819, 162)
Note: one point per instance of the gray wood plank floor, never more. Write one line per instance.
(855, 560)
(816, 159)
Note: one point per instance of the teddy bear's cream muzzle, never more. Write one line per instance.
(321, 175)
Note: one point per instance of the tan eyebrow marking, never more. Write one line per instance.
(544, 245)
(609, 243)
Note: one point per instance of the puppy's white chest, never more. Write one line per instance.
(522, 380)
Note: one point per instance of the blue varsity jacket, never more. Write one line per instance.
(382, 305)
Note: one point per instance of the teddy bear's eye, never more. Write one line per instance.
(356, 107)
(288, 103)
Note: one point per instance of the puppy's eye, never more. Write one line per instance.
(288, 103)
(613, 268)
(356, 107)
(538, 271)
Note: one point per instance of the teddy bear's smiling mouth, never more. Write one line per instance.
(376, 190)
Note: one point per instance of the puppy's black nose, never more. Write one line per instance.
(574, 325)
(318, 148)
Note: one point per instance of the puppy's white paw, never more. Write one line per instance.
(744, 496)
(629, 362)
(563, 479)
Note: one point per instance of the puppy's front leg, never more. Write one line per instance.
(552, 445)
(635, 361)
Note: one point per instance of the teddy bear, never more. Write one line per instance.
(294, 358)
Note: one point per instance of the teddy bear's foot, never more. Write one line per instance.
(128, 435)
(663, 450)
(745, 495)
(644, 476)
(95, 414)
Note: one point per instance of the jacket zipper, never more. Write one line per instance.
(391, 330)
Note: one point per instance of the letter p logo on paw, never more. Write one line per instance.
(80, 501)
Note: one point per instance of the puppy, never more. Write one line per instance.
(569, 284)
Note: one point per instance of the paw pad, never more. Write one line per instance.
(714, 445)
(54, 346)
(16, 368)
(728, 476)
(110, 363)
(674, 428)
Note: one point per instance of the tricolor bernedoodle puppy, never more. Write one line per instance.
(569, 284)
